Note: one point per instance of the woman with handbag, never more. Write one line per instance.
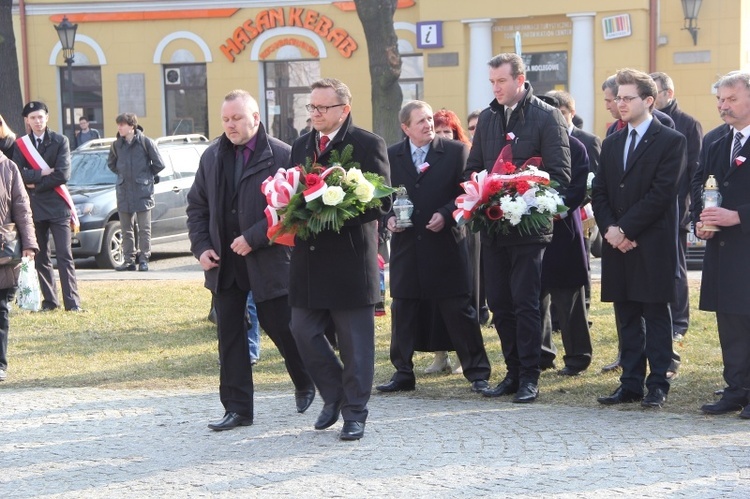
(14, 209)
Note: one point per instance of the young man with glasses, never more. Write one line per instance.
(634, 197)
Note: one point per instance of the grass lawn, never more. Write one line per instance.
(154, 335)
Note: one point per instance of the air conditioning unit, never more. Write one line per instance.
(172, 76)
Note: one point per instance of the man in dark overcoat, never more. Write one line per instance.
(335, 275)
(228, 235)
(725, 283)
(430, 260)
(634, 203)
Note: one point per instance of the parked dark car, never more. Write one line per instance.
(92, 186)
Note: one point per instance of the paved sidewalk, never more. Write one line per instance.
(84, 442)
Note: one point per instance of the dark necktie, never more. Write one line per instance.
(631, 147)
(736, 147)
(508, 112)
(243, 154)
(324, 140)
(38, 143)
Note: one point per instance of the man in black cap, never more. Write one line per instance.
(43, 157)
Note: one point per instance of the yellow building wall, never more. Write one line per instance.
(129, 48)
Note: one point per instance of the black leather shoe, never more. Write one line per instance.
(396, 386)
(614, 366)
(143, 267)
(723, 406)
(745, 414)
(328, 415)
(547, 365)
(125, 266)
(527, 393)
(304, 399)
(569, 371)
(231, 420)
(479, 386)
(620, 396)
(48, 308)
(654, 399)
(352, 430)
(508, 386)
(75, 309)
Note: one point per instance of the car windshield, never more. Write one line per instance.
(90, 169)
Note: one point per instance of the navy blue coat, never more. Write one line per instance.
(565, 263)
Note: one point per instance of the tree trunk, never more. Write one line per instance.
(385, 65)
(11, 101)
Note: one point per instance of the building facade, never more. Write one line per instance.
(172, 61)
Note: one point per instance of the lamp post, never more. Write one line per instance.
(690, 10)
(67, 34)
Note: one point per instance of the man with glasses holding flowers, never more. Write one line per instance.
(334, 274)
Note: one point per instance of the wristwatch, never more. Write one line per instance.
(621, 231)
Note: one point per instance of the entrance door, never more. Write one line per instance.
(287, 91)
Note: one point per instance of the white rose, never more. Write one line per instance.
(333, 195)
(364, 191)
(354, 176)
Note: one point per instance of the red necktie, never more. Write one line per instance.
(620, 125)
(324, 140)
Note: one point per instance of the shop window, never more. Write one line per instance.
(412, 77)
(286, 93)
(86, 98)
(186, 99)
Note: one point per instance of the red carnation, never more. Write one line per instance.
(494, 212)
(312, 179)
(522, 187)
(492, 186)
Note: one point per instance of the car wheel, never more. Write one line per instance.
(110, 255)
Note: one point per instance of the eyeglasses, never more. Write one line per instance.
(626, 99)
(472, 128)
(321, 109)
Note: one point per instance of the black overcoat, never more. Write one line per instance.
(340, 270)
(267, 265)
(427, 264)
(642, 200)
(726, 266)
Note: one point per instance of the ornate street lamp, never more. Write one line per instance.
(67, 33)
(690, 10)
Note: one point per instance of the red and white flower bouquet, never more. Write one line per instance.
(305, 200)
(509, 199)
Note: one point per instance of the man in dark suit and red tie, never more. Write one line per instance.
(334, 275)
(726, 270)
(634, 203)
(430, 259)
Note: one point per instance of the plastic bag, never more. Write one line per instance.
(28, 296)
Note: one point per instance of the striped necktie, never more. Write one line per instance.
(736, 147)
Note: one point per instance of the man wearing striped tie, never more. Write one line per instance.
(726, 269)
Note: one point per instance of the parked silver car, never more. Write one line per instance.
(92, 186)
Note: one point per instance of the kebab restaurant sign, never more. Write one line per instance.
(297, 17)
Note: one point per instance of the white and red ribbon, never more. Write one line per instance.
(278, 190)
(37, 162)
(466, 203)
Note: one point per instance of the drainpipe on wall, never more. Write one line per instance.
(24, 50)
(653, 32)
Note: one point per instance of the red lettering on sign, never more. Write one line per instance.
(310, 17)
(295, 14)
(324, 26)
